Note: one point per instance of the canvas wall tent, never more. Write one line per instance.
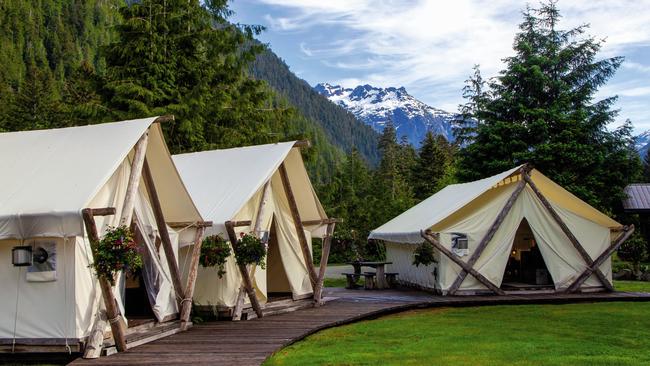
(50, 180)
(229, 186)
(574, 239)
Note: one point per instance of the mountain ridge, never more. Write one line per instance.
(342, 128)
(376, 106)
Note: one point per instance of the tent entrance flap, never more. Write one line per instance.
(137, 305)
(526, 268)
(277, 282)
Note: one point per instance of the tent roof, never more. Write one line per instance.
(406, 227)
(222, 181)
(57, 172)
(62, 169)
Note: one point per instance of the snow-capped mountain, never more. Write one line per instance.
(642, 143)
(376, 106)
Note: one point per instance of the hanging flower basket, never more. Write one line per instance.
(115, 252)
(424, 255)
(250, 250)
(214, 253)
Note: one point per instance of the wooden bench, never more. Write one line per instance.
(391, 278)
(369, 283)
(352, 280)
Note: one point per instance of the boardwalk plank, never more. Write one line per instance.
(251, 342)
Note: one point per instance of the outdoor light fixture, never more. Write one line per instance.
(21, 256)
(24, 256)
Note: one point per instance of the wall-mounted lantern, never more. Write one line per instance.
(24, 256)
(21, 256)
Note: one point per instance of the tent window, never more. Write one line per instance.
(459, 244)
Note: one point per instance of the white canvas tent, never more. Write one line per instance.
(570, 234)
(48, 178)
(228, 186)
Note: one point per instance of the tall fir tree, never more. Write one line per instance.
(433, 165)
(35, 105)
(541, 110)
(183, 57)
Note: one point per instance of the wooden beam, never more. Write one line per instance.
(300, 229)
(321, 222)
(261, 212)
(166, 118)
(112, 311)
(184, 224)
(565, 229)
(429, 237)
(106, 211)
(594, 267)
(186, 304)
(162, 230)
(134, 179)
(248, 283)
(476, 254)
(302, 143)
(241, 223)
(327, 241)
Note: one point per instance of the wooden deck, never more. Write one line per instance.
(251, 342)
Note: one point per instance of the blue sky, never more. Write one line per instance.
(430, 46)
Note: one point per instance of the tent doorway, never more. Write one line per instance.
(137, 308)
(526, 269)
(277, 283)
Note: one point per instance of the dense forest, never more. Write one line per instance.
(80, 62)
(75, 62)
(341, 126)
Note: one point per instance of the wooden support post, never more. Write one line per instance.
(186, 304)
(431, 239)
(594, 267)
(95, 340)
(248, 283)
(574, 241)
(327, 241)
(164, 233)
(300, 229)
(302, 143)
(134, 179)
(164, 119)
(112, 311)
(261, 212)
(489, 235)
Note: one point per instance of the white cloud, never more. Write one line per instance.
(430, 46)
(305, 50)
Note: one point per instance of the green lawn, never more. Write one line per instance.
(575, 334)
(632, 286)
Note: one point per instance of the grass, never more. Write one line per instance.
(632, 286)
(575, 334)
(339, 282)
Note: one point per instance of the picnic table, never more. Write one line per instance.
(380, 268)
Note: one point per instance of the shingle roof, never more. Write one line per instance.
(638, 197)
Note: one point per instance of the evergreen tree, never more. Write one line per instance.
(433, 166)
(541, 110)
(393, 176)
(183, 58)
(350, 197)
(35, 105)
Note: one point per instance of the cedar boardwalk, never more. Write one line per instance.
(251, 342)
